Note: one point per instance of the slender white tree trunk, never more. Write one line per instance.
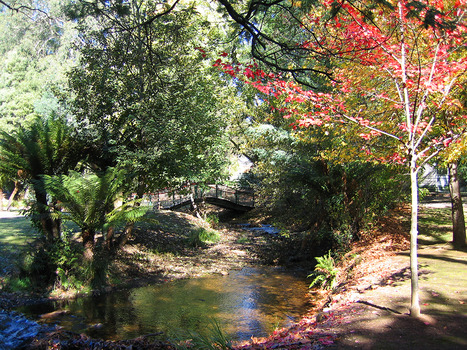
(414, 299)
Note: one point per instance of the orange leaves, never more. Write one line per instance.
(303, 335)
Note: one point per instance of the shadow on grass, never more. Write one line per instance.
(16, 233)
(404, 275)
(374, 326)
(443, 299)
(437, 257)
(428, 238)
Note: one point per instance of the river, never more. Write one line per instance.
(245, 303)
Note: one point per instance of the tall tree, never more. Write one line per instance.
(35, 52)
(145, 93)
(452, 156)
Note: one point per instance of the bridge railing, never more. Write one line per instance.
(170, 198)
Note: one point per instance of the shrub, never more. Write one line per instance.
(201, 236)
(325, 273)
(58, 263)
(212, 220)
(18, 284)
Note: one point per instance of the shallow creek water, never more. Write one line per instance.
(245, 303)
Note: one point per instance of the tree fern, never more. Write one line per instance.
(27, 153)
(88, 199)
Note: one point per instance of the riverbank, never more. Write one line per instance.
(369, 307)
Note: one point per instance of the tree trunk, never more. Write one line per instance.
(127, 233)
(1, 199)
(12, 196)
(109, 237)
(88, 243)
(459, 238)
(50, 227)
(131, 225)
(414, 297)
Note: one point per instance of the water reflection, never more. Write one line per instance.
(250, 302)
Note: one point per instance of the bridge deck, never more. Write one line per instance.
(220, 195)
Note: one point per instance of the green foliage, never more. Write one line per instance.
(44, 148)
(202, 236)
(18, 284)
(299, 184)
(34, 52)
(88, 199)
(66, 255)
(212, 220)
(38, 267)
(325, 272)
(422, 193)
(213, 339)
(146, 101)
(59, 263)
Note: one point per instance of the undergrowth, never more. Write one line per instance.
(202, 236)
(325, 273)
(212, 339)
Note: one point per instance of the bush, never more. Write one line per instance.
(58, 263)
(341, 200)
(212, 220)
(201, 236)
(325, 274)
(67, 256)
(18, 284)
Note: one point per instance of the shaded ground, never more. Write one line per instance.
(159, 251)
(163, 251)
(376, 315)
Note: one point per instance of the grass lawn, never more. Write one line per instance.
(435, 226)
(15, 235)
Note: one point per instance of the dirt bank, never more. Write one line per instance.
(163, 250)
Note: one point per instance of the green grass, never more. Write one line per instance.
(202, 236)
(435, 226)
(243, 239)
(15, 235)
(16, 232)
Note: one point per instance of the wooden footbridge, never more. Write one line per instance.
(219, 195)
